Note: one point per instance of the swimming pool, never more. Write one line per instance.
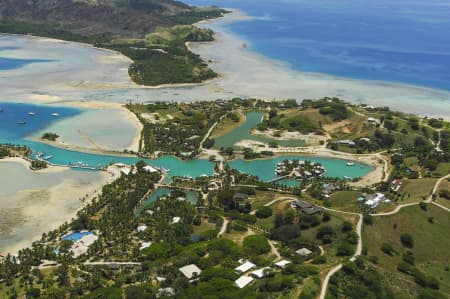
(75, 236)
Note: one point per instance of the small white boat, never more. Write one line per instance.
(32, 113)
(347, 177)
(47, 157)
(350, 163)
(21, 122)
(55, 114)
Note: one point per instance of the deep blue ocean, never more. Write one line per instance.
(397, 40)
(15, 63)
(11, 114)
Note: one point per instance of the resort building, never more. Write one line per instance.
(328, 189)
(347, 142)
(373, 200)
(245, 267)
(260, 273)
(190, 271)
(306, 207)
(125, 170)
(396, 184)
(165, 292)
(282, 264)
(304, 252)
(145, 245)
(243, 281)
(141, 228)
(372, 120)
(81, 246)
(176, 220)
(150, 169)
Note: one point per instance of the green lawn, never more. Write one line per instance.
(416, 190)
(442, 169)
(445, 185)
(431, 246)
(345, 201)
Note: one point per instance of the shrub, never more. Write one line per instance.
(325, 234)
(388, 249)
(247, 218)
(346, 226)
(407, 240)
(344, 249)
(423, 206)
(317, 260)
(408, 257)
(264, 212)
(256, 244)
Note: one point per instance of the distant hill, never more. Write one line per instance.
(130, 18)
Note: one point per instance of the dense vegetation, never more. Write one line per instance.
(50, 136)
(168, 61)
(177, 128)
(163, 57)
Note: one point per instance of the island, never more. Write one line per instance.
(152, 33)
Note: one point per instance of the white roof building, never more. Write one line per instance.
(125, 170)
(243, 281)
(304, 251)
(176, 220)
(260, 272)
(150, 169)
(166, 292)
(145, 245)
(282, 264)
(190, 271)
(141, 228)
(245, 267)
(81, 246)
(375, 201)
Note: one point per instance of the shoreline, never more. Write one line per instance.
(242, 73)
(38, 209)
(26, 163)
(374, 161)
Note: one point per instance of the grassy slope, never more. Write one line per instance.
(445, 185)
(431, 244)
(416, 190)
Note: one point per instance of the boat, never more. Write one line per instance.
(350, 163)
(347, 178)
(21, 122)
(55, 114)
(32, 113)
(47, 157)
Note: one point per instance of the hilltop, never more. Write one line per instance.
(125, 18)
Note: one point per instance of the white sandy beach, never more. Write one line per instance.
(41, 202)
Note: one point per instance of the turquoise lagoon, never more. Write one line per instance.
(252, 119)
(12, 132)
(335, 168)
(191, 196)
